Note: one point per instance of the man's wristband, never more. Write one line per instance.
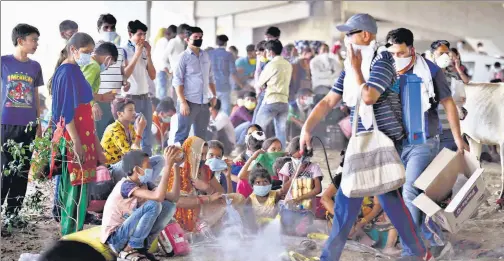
(138, 137)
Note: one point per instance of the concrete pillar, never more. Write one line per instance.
(209, 27)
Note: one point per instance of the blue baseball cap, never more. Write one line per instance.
(363, 22)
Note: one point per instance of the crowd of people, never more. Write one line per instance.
(165, 119)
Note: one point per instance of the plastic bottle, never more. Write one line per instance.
(205, 231)
(29, 257)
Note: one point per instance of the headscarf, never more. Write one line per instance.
(192, 148)
(160, 34)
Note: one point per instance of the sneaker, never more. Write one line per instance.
(442, 252)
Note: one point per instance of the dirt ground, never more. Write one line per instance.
(480, 238)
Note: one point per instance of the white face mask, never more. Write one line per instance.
(443, 61)
(108, 36)
(401, 63)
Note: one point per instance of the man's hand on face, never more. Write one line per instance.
(355, 57)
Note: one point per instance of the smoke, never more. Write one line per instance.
(237, 242)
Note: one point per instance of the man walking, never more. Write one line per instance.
(223, 66)
(195, 86)
(379, 92)
(276, 75)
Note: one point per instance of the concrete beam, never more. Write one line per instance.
(207, 9)
(273, 15)
(469, 19)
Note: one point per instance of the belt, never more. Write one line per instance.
(140, 96)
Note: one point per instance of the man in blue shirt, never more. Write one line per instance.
(245, 66)
(223, 66)
(416, 157)
(378, 91)
(195, 87)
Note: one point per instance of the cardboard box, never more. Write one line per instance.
(437, 182)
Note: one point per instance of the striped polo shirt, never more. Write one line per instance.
(112, 78)
(387, 109)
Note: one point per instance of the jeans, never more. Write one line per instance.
(276, 112)
(143, 226)
(199, 117)
(241, 132)
(259, 104)
(447, 141)
(106, 119)
(225, 98)
(346, 211)
(15, 183)
(56, 210)
(416, 158)
(163, 84)
(143, 104)
(156, 163)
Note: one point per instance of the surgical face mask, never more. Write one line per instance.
(309, 100)
(262, 191)
(147, 177)
(402, 63)
(252, 61)
(443, 61)
(108, 36)
(103, 67)
(262, 59)
(84, 59)
(197, 42)
(269, 57)
(216, 164)
(250, 105)
(166, 119)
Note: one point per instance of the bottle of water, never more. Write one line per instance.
(205, 231)
(29, 257)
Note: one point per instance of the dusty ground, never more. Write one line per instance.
(480, 239)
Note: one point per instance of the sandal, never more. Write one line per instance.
(133, 255)
(149, 256)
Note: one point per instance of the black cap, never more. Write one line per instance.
(132, 159)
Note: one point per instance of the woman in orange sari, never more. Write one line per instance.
(200, 192)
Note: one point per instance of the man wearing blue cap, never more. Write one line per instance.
(376, 73)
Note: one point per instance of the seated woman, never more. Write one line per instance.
(201, 201)
(373, 227)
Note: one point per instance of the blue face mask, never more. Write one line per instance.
(84, 59)
(147, 177)
(216, 165)
(262, 191)
(103, 67)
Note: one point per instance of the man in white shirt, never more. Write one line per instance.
(161, 62)
(140, 72)
(325, 69)
(112, 78)
(175, 47)
(221, 127)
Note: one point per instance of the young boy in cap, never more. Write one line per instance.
(136, 210)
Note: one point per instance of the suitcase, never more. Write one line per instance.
(172, 241)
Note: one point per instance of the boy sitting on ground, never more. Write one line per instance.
(161, 119)
(136, 210)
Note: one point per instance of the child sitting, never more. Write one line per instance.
(161, 119)
(308, 181)
(263, 200)
(254, 145)
(244, 156)
(218, 166)
(136, 210)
